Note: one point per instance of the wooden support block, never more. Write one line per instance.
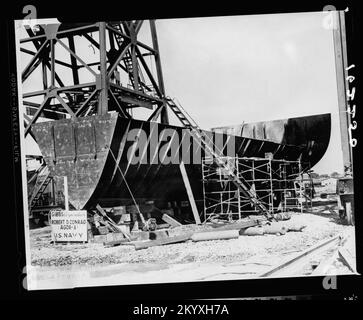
(114, 236)
(140, 235)
(150, 235)
(163, 226)
(111, 222)
(238, 225)
(158, 234)
(215, 235)
(115, 242)
(99, 238)
(161, 242)
(170, 220)
(103, 230)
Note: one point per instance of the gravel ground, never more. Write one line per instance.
(319, 226)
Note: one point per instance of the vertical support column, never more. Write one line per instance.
(271, 188)
(341, 63)
(189, 192)
(164, 113)
(312, 193)
(238, 190)
(52, 63)
(301, 188)
(103, 97)
(66, 201)
(254, 179)
(285, 186)
(204, 195)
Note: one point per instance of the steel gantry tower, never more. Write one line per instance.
(119, 75)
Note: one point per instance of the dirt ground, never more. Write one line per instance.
(73, 265)
(320, 225)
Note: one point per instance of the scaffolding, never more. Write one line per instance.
(278, 184)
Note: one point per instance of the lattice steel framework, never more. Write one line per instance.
(122, 74)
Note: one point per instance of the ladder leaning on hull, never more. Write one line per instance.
(41, 184)
(209, 147)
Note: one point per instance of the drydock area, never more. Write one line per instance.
(243, 256)
(119, 199)
(311, 243)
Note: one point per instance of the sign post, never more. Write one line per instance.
(66, 204)
(68, 226)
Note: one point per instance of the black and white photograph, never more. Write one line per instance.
(181, 150)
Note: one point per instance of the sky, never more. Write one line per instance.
(230, 70)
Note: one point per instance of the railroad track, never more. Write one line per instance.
(296, 264)
(314, 261)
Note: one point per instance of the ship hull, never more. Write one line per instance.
(99, 157)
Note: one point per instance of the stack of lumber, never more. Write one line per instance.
(223, 232)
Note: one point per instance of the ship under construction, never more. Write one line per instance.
(89, 105)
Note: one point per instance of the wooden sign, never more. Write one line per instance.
(68, 226)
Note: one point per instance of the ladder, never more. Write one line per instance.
(208, 146)
(127, 58)
(42, 182)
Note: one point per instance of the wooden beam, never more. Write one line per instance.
(170, 220)
(238, 225)
(113, 224)
(161, 242)
(189, 192)
(215, 235)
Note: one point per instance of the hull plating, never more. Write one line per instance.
(93, 153)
